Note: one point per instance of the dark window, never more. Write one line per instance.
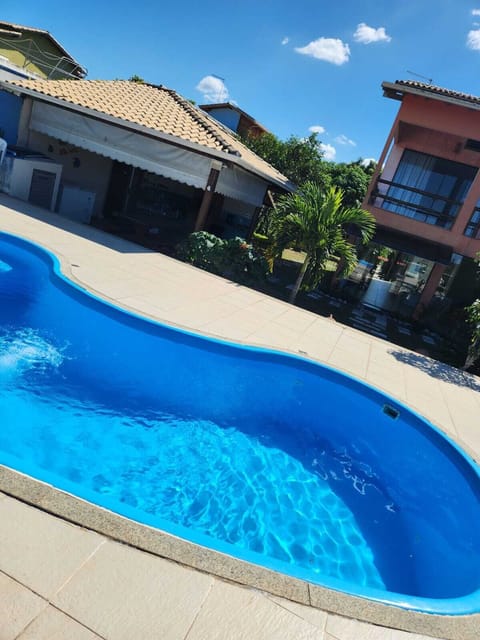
(472, 230)
(472, 145)
(427, 188)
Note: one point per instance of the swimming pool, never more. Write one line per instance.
(267, 457)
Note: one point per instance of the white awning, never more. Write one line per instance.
(146, 153)
(121, 144)
(240, 185)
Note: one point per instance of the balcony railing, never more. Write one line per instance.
(428, 208)
(50, 64)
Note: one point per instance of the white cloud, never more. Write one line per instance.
(342, 139)
(317, 128)
(366, 161)
(286, 40)
(473, 39)
(329, 152)
(367, 35)
(213, 89)
(475, 12)
(329, 49)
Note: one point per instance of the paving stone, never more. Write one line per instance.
(41, 551)
(18, 607)
(232, 613)
(122, 593)
(52, 624)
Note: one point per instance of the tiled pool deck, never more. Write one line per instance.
(61, 581)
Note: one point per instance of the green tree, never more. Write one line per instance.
(299, 159)
(315, 221)
(353, 178)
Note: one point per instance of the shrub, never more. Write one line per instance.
(200, 249)
(234, 258)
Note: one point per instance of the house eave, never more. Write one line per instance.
(396, 91)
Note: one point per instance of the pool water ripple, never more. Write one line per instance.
(200, 475)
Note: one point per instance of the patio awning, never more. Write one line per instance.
(121, 144)
(144, 152)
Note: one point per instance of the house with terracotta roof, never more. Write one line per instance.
(28, 52)
(140, 157)
(235, 119)
(425, 196)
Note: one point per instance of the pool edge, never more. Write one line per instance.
(90, 516)
(68, 507)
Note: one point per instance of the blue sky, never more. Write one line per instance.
(291, 65)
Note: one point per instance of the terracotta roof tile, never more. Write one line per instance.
(440, 91)
(154, 107)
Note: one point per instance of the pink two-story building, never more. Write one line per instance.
(425, 195)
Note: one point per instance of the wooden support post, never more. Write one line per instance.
(272, 201)
(208, 195)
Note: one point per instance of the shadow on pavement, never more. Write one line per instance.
(438, 369)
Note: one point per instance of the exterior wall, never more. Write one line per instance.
(10, 108)
(438, 129)
(440, 116)
(235, 119)
(84, 169)
(245, 127)
(17, 51)
(228, 117)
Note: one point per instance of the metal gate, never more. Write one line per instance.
(41, 188)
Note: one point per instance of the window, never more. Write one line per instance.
(472, 230)
(428, 189)
(472, 145)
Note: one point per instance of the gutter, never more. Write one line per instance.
(150, 133)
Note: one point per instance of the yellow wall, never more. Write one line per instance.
(34, 52)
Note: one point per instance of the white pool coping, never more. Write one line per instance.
(73, 576)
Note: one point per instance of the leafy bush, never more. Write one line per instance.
(234, 258)
(200, 248)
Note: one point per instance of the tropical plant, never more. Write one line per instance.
(234, 258)
(315, 221)
(200, 249)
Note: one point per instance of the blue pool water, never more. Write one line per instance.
(264, 456)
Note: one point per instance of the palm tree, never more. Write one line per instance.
(314, 220)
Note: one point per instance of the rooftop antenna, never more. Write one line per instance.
(412, 73)
(220, 96)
